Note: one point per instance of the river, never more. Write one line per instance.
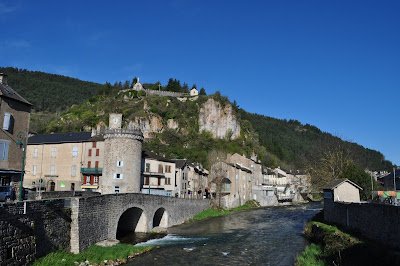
(264, 236)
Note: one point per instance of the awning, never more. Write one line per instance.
(226, 180)
(90, 186)
(10, 172)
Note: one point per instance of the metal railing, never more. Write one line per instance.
(91, 170)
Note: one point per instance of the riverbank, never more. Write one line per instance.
(94, 255)
(332, 246)
(221, 212)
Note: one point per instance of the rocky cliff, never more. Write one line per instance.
(220, 121)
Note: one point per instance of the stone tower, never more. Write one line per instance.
(122, 158)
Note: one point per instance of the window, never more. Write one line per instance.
(116, 189)
(88, 179)
(7, 121)
(96, 179)
(53, 152)
(94, 144)
(147, 168)
(160, 169)
(146, 180)
(73, 170)
(35, 152)
(168, 168)
(168, 181)
(159, 181)
(4, 144)
(183, 176)
(52, 169)
(72, 186)
(96, 164)
(120, 163)
(34, 170)
(97, 152)
(90, 152)
(75, 151)
(89, 164)
(118, 176)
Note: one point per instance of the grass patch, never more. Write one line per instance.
(94, 254)
(312, 255)
(220, 212)
(209, 213)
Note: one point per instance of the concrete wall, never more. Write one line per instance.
(96, 218)
(378, 222)
(32, 229)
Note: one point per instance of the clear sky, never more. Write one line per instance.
(332, 64)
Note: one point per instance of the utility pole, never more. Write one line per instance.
(394, 182)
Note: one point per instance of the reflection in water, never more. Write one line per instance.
(267, 236)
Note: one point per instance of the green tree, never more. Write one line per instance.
(202, 91)
(360, 177)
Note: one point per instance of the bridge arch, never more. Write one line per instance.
(133, 219)
(160, 218)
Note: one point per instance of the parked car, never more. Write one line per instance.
(6, 193)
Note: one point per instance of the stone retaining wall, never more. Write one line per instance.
(32, 229)
(379, 222)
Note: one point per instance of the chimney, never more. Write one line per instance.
(3, 79)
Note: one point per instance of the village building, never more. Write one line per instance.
(194, 92)
(158, 175)
(342, 190)
(54, 161)
(181, 178)
(14, 115)
(92, 166)
(238, 182)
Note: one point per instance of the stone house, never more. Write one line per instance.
(54, 161)
(191, 180)
(238, 183)
(342, 190)
(181, 178)
(158, 175)
(197, 181)
(14, 118)
(92, 166)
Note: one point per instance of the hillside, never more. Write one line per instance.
(49, 92)
(175, 126)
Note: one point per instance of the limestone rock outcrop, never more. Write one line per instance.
(220, 121)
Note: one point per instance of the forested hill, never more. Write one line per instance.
(304, 145)
(49, 92)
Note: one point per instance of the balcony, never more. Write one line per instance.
(92, 171)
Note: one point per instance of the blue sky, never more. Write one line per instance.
(332, 64)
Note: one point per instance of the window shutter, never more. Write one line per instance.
(6, 144)
(2, 150)
(6, 122)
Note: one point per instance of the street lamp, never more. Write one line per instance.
(21, 138)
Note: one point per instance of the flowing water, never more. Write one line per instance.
(266, 236)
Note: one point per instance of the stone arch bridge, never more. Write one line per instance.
(101, 217)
